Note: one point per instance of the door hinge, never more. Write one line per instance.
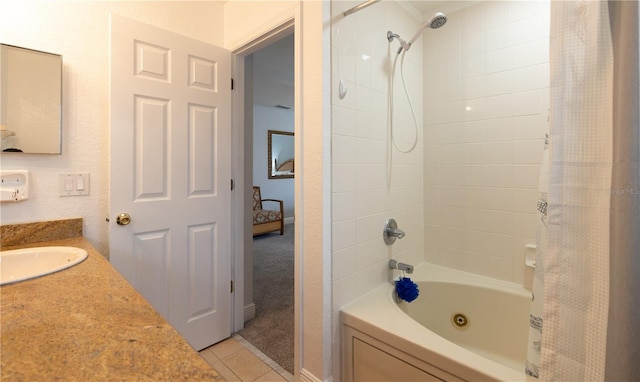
(232, 83)
(231, 286)
(232, 185)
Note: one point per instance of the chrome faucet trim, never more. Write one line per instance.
(395, 232)
(400, 266)
(391, 232)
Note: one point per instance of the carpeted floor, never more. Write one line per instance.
(271, 331)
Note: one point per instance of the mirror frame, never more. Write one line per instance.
(50, 149)
(270, 156)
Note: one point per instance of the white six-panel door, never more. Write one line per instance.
(170, 172)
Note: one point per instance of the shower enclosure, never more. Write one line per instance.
(466, 195)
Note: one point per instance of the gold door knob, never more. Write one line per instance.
(123, 219)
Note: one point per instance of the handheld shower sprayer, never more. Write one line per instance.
(438, 20)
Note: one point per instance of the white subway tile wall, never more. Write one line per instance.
(483, 149)
(366, 191)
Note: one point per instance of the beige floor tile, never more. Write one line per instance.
(271, 376)
(209, 356)
(225, 372)
(246, 365)
(225, 348)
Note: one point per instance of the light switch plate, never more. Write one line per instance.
(74, 184)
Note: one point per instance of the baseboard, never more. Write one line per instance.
(307, 376)
(249, 312)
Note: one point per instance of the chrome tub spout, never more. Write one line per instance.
(400, 266)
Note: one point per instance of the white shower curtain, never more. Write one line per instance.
(591, 254)
(532, 366)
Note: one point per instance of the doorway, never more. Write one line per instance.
(269, 258)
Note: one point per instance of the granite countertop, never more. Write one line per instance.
(88, 323)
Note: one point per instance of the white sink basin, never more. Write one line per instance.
(28, 263)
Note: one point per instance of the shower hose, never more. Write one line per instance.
(413, 113)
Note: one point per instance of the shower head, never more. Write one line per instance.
(438, 20)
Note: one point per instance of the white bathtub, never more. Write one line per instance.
(386, 341)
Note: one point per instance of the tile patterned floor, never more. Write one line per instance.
(237, 360)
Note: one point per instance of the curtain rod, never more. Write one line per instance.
(359, 7)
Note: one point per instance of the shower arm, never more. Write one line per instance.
(403, 43)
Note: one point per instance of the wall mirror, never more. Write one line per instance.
(280, 150)
(30, 101)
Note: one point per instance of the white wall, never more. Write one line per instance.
(363, 197)
(79, 31)
(486, 77)
(265, 119)
(246, 20)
